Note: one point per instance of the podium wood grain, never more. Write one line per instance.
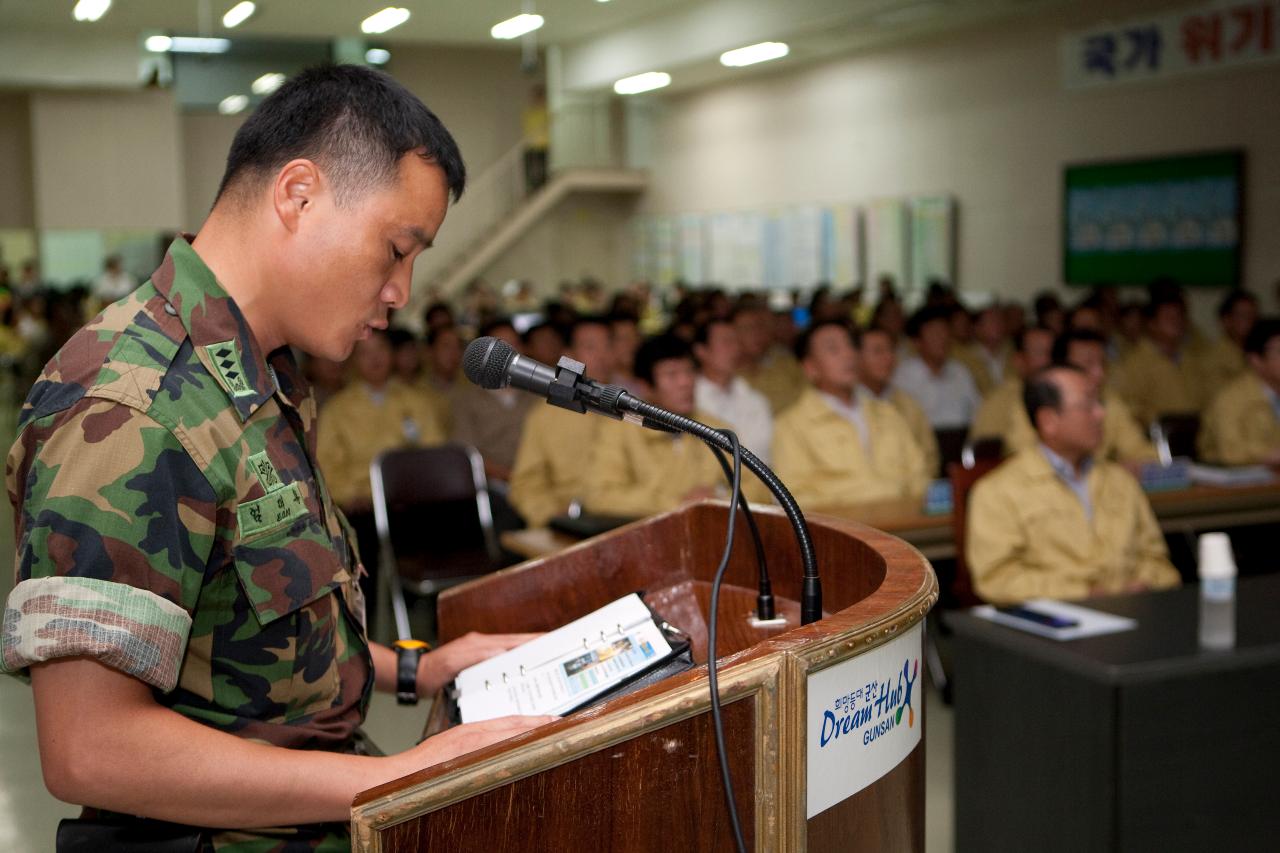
(639, 772)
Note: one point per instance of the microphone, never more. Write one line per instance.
(492, 363)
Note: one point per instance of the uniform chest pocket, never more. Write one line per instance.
(285, 568)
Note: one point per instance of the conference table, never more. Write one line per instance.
(1186, 510)
(1138, 740)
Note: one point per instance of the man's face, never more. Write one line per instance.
(626, 340)
(545, 345)
(754, 333)
(593, 347)
(720, 354)
(673, 380)
(832, 362)
(1037, 351)
(374, 360)
(408, 359)
(347, 267)
(1268, 365)
(877, 359)
(1240, 319)
(1091, 357)
(1087, 318)
(1169, 323)
(446, 354)
(1077, 427)
(989, 329)
(934, 341)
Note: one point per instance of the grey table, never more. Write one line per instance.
(1132, 741)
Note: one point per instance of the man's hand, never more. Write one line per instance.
(440, 665)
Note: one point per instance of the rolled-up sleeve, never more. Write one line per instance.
(115, 525)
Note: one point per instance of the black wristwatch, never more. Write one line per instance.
(408, 655)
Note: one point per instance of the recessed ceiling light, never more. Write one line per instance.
(388, 19)
(233, 104)
(186, 44)
(238, 14)
(515, 27)
(645, 82)
(267, 83)
(90, 10)
(752, 54)
(377, 56)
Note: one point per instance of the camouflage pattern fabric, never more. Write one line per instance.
(172, 524)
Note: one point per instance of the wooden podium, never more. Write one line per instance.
(640, 772)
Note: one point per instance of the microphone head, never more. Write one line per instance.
(486, 360)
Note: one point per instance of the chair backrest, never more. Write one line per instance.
(1175, 436)
(433, 503)
(962, 480)
(987, 448)
(950, 447)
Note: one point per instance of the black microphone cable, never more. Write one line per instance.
(765, 609)
(717, 720)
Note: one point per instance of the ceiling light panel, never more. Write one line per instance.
(645, 82)
(267, 83)
(238, 14)
(388, 19)
(515, 27)
(752, 54)
(90, 10)
(233, 104)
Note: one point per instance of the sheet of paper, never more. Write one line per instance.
(564, 668)
(1089, 623)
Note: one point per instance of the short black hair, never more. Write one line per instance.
(437, 308)
(659, 348)
(491, 326)
(400, 337)
(804, 342)
(433, 335)
(1162, 298)
(1041, 391)
(353, 121)
(924, 316)
(1062, 346)
(1234, 298)
(1255, 343)
(543, 326)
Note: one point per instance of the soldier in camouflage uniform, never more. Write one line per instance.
(183, 573)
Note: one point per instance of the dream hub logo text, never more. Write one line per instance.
(874, 709)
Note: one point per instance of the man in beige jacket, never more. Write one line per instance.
(837, 445)
(1242, 425)
(1056, 522)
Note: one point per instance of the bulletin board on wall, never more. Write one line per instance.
(1135, 221)
(912, 240)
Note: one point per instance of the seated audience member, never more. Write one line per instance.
(406, 355)
(877, 359)
(327, 377)
(1223, 360)
(437, 316)
(838, 446)
(633, 471)
(491, 421)
(443, 374)
(1055, 521)
(375, 412)
(1160, 375)
(766, 364)
(1123, 439)
(550, 467)
(988, 354)
(1242, 424)
(1130, 322)
(1033, 352)
(721, 392)
(543, 342)
(1050, 313)
(940, 384)
(624, 332)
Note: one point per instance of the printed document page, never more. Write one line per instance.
(565, 668)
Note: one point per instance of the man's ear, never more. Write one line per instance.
(294, 192)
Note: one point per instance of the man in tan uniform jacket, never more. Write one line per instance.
(1242, 425)
(1223, 360)
(633, 471)
(989, 355)
(837, 446)
(877, 359)
(769, 368)
(1160, 375)
(375, 412)
(1033, 350)
(1123, 440)
(550, 473)
(1056, 522)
